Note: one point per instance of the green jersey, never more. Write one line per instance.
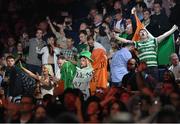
(147, 51)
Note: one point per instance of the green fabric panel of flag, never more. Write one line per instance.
(165, 48)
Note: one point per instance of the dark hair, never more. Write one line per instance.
(51, 51)
(116, 1)
(130, 61)
(93, 8)
(89, 37)
(9, 57)
(142, 4)
(52, 35)
(145, 97)
(171, 74)
(172, 79)
(143, 30)
(122, 106)
(83, 32)
(47, 97)
(42, 119)
(118, 11)
(147, 10)
(91, 30)
(106, 16)
(37, 106)
(61, 56)
(69, 37)
(75, 92)
(102, 31)
(88, 101)
(158, 2)
(33, 100)
(39, 29)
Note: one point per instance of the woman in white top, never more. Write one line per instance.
(49, 54)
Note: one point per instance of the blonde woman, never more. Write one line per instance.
(45, 80)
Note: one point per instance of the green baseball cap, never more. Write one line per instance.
(86, 54)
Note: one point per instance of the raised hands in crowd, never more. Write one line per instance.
(103, 42)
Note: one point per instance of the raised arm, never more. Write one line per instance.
(31, 74)
(122, 40)
(133, 12)
(51, 25)
(166, 34)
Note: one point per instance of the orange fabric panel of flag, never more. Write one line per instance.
(139, 26)
(100, 75)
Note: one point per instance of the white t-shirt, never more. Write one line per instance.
(82, 78)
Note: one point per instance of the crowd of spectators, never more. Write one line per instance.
(75, 61)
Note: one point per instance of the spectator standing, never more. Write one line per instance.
(97, 21)
(19, 54)
(103, 38)
(118, 66)
(70, 52)
(147, 20)
(11, 82)
(33, 62)
(175, 8)
(43, 25)
(159, 20)
(119, 22)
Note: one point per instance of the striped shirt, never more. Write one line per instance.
(147, 51)
(70, 53)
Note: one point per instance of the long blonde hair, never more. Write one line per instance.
(50, 69)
